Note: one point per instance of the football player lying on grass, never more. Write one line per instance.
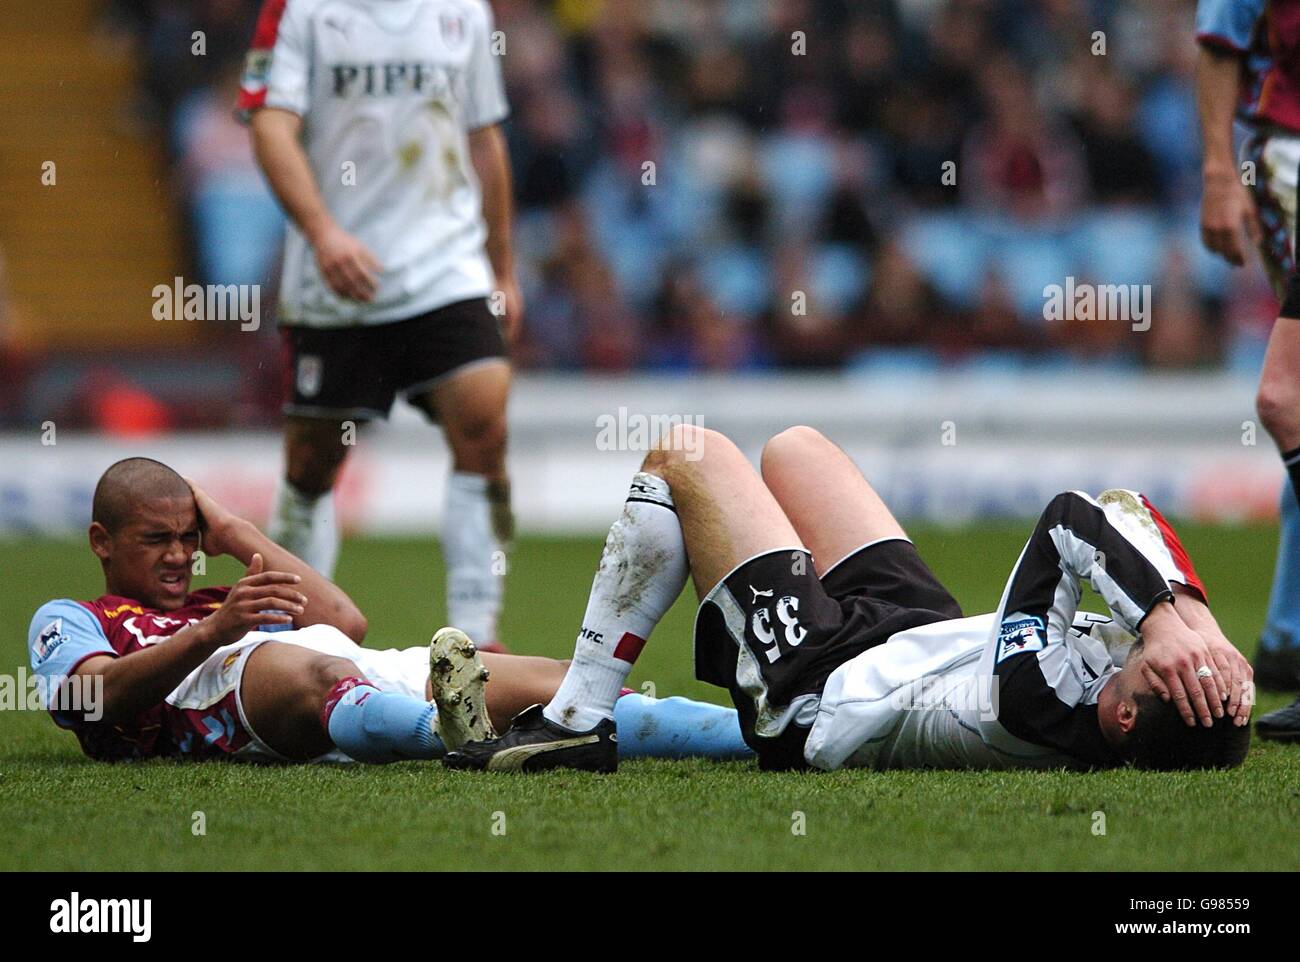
(272, 667)
(841, 649)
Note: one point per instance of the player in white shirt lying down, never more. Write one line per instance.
(841, 649)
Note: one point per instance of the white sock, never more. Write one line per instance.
(642, 571)
(474, 552)
(304, 525)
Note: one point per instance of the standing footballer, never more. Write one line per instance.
(1249, 68)
(376, 123)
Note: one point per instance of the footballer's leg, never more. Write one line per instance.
(831, 505)
(726, 516)
(727, 513)
(518, 681)
(1277, 663)
(1277, 660)
(304, 703)
(859, 548)
(470, 403)
(338, 379)
(302, 519)
(648, 727)
(1278, 403)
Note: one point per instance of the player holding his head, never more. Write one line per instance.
(377, 124)
(273, 667)
(1249, 70)
(840, 648)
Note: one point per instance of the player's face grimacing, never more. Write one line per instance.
(148, 557)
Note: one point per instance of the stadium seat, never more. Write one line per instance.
(799, 172)
(948, 253)
(840, 276)
(1028, 260)
(738, 279)
(1121, 246)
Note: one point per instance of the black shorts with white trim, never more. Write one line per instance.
(357, 372)
(771, 632)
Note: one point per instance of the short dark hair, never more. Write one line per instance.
(127, 483)
(1162, 741)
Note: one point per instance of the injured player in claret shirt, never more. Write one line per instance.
(272, 668)
(840, 648)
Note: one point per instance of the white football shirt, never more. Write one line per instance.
(923, 699)
(388, 91)
(1016, 688)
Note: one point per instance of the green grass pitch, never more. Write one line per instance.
(61, 811)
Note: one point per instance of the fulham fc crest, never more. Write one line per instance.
(309, 375)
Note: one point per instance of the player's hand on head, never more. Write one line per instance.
(214, 520)
(259, 598)
(1237, 673)
(1171, 661)
(346, 264)
(1229, 218)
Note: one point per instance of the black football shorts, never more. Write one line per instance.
(772, 632)
(357, 372)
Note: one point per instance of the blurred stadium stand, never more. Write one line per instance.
(84, 252)
(945, 447)
(774, 173)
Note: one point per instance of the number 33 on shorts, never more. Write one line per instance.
(786, 608)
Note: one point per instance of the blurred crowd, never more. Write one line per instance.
(731, 185)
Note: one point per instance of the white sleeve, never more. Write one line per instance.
(486, 103)
(288, 78)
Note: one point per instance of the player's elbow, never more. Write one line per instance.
(355, 626)
(109, 706)
(348, 619)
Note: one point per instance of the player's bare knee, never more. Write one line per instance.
(323, 673)
(659, 461)
(684, 437)
(479, 445)
(791, 444)
(686, 447)
(1278, 406)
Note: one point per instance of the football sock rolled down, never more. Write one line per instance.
(642, 571)
(375, 726)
